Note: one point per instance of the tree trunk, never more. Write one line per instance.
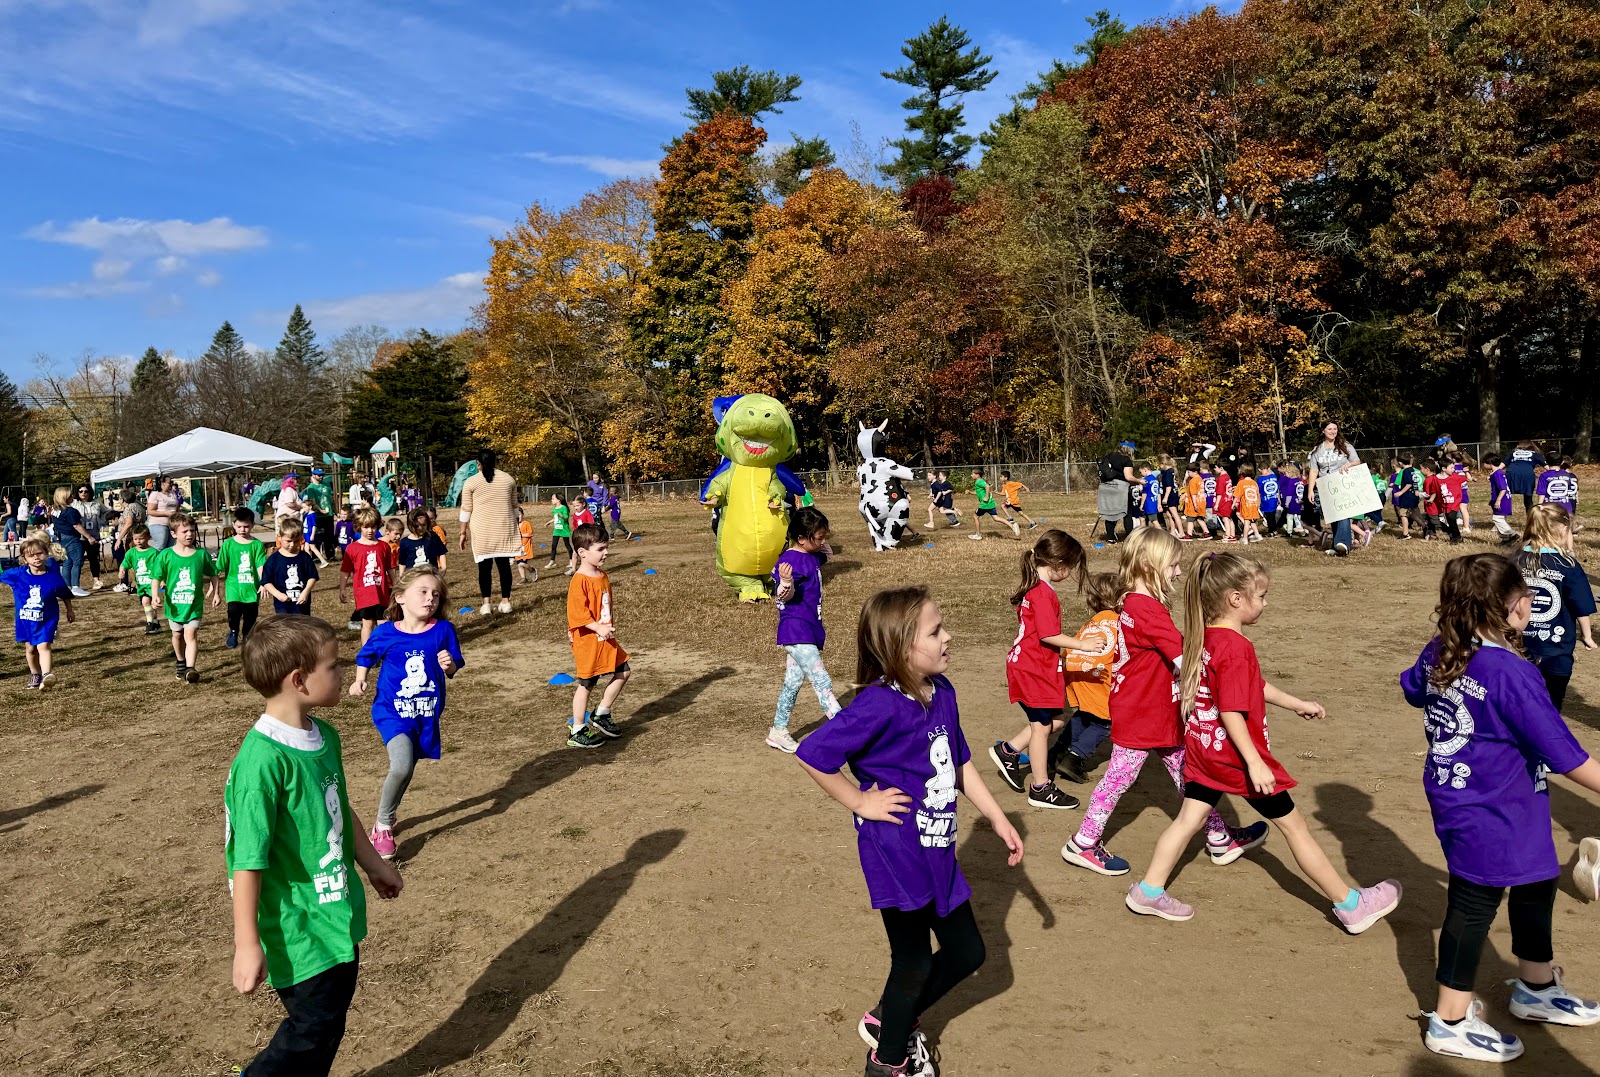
(1488, 365)
(833, 460)
(927, 452)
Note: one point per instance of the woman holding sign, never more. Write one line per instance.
(1332, 455)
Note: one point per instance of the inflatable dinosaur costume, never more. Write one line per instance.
(756, 436)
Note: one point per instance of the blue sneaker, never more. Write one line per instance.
(1554, 1005)
(1240, 840)
(1097, 858)
(1472, 1037)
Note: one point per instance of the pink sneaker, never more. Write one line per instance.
(1373, 903)
(1241, 839)
(1163, 905)
(383, 842)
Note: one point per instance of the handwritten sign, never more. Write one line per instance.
(1348, 494)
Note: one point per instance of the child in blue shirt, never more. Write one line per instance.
(1271, 497)
(1150, 495)
(37, 586)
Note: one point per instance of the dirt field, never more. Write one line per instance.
(686, 901)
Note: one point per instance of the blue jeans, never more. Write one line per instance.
(72, 571)
(805, 664)
(1341, 533)
(1085, 733)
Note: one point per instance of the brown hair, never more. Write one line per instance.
(417, 521)
(138, 530)
(1540, 532)
(366, 517)
(884, 636)
(1211, 579)
(288, 525)
(586, 535)
(281, 644)
(1146, 554)
(410, 576)
(1475, 596)
(1102, 591)
(181, 519)
(1055, 549)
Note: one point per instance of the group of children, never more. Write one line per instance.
(941, 500)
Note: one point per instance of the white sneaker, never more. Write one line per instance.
(98, 585)
(1472, 1038)
(505, 605)
(79, 592)
(1586, 872)
(1554, 1005)
(781, 740)
(47, 681)
(976, 538)
(121, 588)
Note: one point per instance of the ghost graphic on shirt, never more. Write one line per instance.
(941, 788)
(421, 559)
(183, 589)
(416, 679)
(330, 800)
(372, 575)
(291, 583)
(33, 609)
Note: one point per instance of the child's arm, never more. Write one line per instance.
(249, 960)
(882, 805)
(1261, 778)
(604, 631)
(66, 604)
(1586, 775)
(1585, 634)
(1304, 708)
(380, 873)
(1074, 643)
(785, 583)
(968, 781)
(345, 579)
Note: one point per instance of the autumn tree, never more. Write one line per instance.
(554, 321)
(76, 417)
(706, 202)
(943, 67)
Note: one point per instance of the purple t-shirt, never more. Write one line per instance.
(889, 738)
(1493, 736)
(1293, 491)
(1559, 486)
(800, 618)
(1499, 493)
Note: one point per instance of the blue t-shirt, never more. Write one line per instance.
(1561, 594)
(421, 552)
(291, 575)
(410, 693)
(1269, 491)
(66, 525)
(313, 521)
(1169, 486)
(1150, 498)
(800, 618)
(37, 598)
(1519, 469)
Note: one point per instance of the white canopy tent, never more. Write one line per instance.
(202, 451)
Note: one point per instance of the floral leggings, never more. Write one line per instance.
(1120, 775)
(805, 664)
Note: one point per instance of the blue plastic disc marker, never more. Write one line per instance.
(466, 609)
(1099, 545)
(562, 678)
(649, 572)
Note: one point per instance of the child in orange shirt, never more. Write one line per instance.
(1194, 506)
(1011, 498)
(594, 644)
(1247, 495)
(1088, 675)
(393, 531)
(525, 532)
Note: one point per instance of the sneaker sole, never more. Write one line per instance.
(866, 1035)
(579, 744)
(1063, 807)
(1361, 925)
(1145, 910)
(1084, 862)
(1237, 851)
(1431, 1044)
(605, 733)
(1586, 873)
(782, 747)
(1005, 776)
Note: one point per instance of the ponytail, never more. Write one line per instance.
(1057, 549)
(1211, 579)
(486, 462)
(1030, 577)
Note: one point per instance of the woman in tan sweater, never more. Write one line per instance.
(489, 515)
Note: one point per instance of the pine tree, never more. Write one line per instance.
(944, 72)
(792, 167)
(298, 348)
(225, 378)
(421, 393)
(153, 403)
(749, 93)
(13, 424)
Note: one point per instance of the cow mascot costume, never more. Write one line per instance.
(884, 504)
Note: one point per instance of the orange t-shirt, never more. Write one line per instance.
(1194, 498)
(1088, 673)
(525, 529)
(1248, 495)
(1012, 492)
(589, 602)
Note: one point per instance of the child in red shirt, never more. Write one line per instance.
(1144, 706)
(1033, 666)
(1229, 749)
(1225, 505)
(368, 565)
(1442, 499)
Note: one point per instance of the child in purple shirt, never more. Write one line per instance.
(797, 580)
(1559, 485)
(903, 732)
(1294, 489)
(1494, 737)
(1500, 499)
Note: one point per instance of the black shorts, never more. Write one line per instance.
(1041, 715)
(371, 613)
(988, 512)
(590, 682)
(1276, 806)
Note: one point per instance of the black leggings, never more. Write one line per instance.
(1472, 907)
(242, 617)
(556, 542)
(504, 565)
(1556, 685)
(918, 977)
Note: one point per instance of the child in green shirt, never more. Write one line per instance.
(986, 507)
(239, 564)
(182, 570)
(137, 561)
(291, 842)
(561, 532)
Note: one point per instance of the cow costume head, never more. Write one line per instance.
(884, 504)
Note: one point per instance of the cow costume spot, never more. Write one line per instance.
(884, 504)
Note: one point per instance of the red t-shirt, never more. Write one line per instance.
(1230, 681)
(1144, 695)
(1433, 492)
(1453, 484)
(1033, 671)
(1224, 495)
(368, 564)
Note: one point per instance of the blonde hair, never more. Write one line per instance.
(62, 497)
(1146, 556)
(394, 524)
(281, 644)
(288, 526)
(411, 576)
(1165, 460)
(885, 633)
(1211, 579)
(40, 543)
(368, 517)
(1542, 532)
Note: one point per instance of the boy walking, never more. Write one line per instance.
(183, 570)
(140, 556)
(289, 572)
(291, 845)
(593, 635)
(239, 565)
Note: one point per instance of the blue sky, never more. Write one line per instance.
(175, 163)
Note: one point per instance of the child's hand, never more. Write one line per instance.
(1261, 779)
(249, 968)
(216, 600)
(786, 572)
(341, 598)
(1310, 710)
(774, 504)
(883, 805)
(606, 631)
(1008, 834)
(385, 880)
(358, 686)
(446, 663)
(1588, 644)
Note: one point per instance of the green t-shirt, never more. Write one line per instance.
(317, 494)
(288, 817)
(181, 577)
(239, 565)
(563, 515)
(140, 561)
(980, 487)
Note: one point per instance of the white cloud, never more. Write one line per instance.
(483, 222)
(89, 289)
(133, 236)
(208, 278)
(254, 348)
(170, 21)
(611, 167)
(446, 303)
